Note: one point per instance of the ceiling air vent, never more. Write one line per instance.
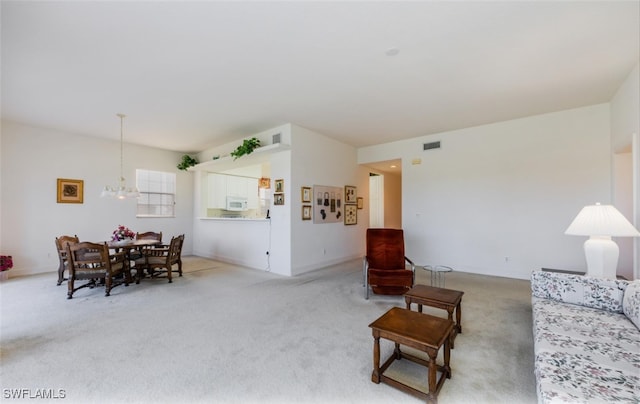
(432, 145)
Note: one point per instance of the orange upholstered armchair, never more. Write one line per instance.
(385, 265)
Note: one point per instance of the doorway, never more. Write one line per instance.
(376, 200)
(385, 194)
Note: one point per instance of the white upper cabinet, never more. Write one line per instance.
(220, 186)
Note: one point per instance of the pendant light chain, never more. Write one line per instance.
(122, 116)
(121, 191)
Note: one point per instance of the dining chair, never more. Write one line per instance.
(161, 260)
(148, 235)
(385, 265)
(92, 262)
(61, 247)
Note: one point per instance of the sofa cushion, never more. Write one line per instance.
(584, 354)
(597, 293)
(631, 302)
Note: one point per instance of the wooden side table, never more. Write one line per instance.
(447, 299)
(423, 332)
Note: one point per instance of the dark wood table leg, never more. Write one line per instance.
(447, 357)
(459, 317)
(432, 396)
(375, 376)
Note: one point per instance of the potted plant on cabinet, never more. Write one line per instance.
(187, 161)
(247, 147)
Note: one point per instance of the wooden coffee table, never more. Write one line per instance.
(423, 332)
(450, 300)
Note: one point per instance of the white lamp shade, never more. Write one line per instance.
(600, 223)
(601, 220)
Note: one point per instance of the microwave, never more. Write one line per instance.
(236, 203)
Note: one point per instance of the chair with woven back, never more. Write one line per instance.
(159, 260)
(92, 262)
(385, 265)
(148, 235)
(61, 247)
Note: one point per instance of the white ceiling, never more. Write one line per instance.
(193, 75)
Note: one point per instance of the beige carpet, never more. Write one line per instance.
(227, 334)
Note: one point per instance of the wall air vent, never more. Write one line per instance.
(432, 145)
(276, 138)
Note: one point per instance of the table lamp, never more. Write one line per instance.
(600, 223)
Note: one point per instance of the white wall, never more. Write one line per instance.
(625, 123)
(496, 199)
(320, 160)
(32, 160)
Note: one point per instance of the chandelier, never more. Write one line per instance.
(121, 191)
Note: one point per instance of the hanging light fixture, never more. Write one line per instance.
(121, 191)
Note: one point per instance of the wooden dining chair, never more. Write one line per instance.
(161, 260)
(92, 262)
(148, 235)
(61, 247)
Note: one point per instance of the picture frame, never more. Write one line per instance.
(305, 194)
(279, 186)
(328, 206)
(70, 191)
(350, 194)
(306, 212)
(360, 202)
(278, 199)
(350, 214)
(264, 183)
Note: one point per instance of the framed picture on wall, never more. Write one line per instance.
(350, 194)
(278, 199)
(328, 206)
(306, 195)
(350, 214)
(306, 212)
(279, 186)
(264, 183)
(70, 191)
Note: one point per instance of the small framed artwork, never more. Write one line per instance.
(360, 202)
(350, 214)
(306, 195)
(306, 212)
(70, 191)
(278, 199)
(350, 194)
(279, 186)
(264, 183)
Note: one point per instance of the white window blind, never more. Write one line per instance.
(157, 193)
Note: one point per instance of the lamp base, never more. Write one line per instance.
(602, 257)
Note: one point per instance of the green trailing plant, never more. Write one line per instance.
(187, 161)
(247, 147)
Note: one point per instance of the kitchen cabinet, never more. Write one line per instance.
(217, 191)
(220, 186)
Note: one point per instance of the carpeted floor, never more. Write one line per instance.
(227, 334)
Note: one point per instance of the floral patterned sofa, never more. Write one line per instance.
(586, 338)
